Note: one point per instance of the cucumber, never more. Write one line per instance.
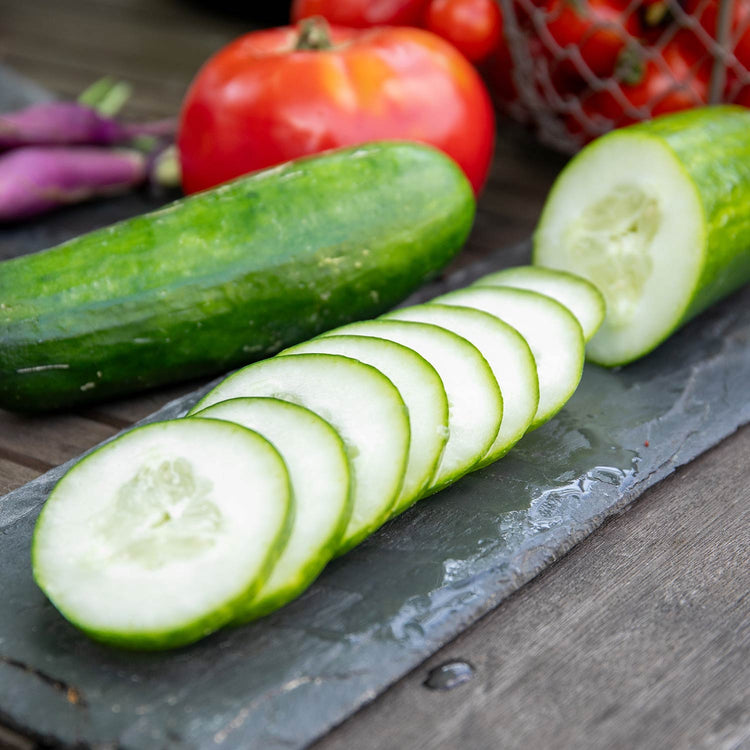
(360, 403)
(552, 333)
(319, 471)
(153, 540)
(228, 276)
(422, 391)
(475, 405)
(581, 297)
(508, 356)
(656, 216)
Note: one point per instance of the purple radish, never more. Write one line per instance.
(59, 123)
(36, 179)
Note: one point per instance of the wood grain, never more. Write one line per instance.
(13, 475)
(639, 638)
(41, 442)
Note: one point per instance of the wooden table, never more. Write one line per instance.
(640, 637)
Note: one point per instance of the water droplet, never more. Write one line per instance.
(449, 675)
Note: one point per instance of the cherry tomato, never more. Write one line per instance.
(474, 27)
(265, 99)
(676, 79)
(362, 13)
(597, 29)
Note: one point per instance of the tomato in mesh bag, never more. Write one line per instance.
(474, 27)
(590, 33)
(675, 78)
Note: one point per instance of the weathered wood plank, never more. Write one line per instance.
(41, 442)
(124, 412)
(13, 475)
(638, 638)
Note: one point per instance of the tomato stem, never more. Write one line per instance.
(314, 34)
(630, 67)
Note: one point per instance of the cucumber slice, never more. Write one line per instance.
(475, 405)
(656, 216)
(423, 393)
(507, 354)
(360, 403)
(551, 331)
(154, 539)
(580, 296)
(319, 471)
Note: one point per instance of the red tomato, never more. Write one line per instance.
(261, 101)
(474, 27)
(598, 29)
(362, 13)
(677, 79)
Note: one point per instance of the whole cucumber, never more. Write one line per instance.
(657, 216)
(228, 276)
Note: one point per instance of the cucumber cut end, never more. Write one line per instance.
(626, 216)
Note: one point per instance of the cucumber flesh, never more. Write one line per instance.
(580, 296)
(625, 215)
(360, 403)
(508, 356)
(319, 472)
(475, 405)
(423, 393)
(154, 539)
(552, 333)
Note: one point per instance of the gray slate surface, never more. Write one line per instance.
(380, 610)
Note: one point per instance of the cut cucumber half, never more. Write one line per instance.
(360, 403)
(508, 356)
(422, 391)
(475, 405)
(319, 471)
(552, 333)
(656, 216)
(580, 296)
(153, 540)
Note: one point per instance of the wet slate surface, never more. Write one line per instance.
(380, 610)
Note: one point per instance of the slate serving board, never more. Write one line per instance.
(379, 611)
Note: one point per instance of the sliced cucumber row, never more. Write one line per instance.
(420, 387)
(360, 403)
(580, 296)
(475, 405)
(315, 457)
(221, 518)
(508, 356)
(553, 334)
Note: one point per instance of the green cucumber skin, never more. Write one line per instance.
(228, 276)
(713, 145)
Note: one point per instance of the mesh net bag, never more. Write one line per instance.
(574, 69)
